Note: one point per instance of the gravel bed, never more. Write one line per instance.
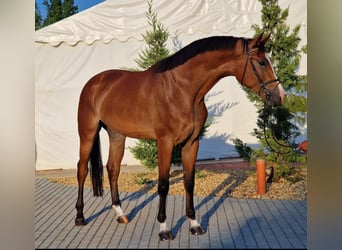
(237, 183)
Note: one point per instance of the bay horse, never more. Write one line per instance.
(164, 103)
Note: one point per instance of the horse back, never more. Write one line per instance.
(140, 104)
(123, 100)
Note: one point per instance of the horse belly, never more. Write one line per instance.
(127, 116)
(129, 127)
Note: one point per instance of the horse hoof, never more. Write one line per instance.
(165, 235)
(122, 219)
(80, 222)
(198, 230)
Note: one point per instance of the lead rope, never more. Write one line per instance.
(275, 139)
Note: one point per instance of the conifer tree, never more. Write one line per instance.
(56, 10)
(145, 150)
(69, 8)
(155, 40)
(277, 127)
(38, 17)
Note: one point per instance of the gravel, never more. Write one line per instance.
(233, 182)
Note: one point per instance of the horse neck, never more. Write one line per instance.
(204, 71)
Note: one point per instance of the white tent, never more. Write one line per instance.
(109, 35)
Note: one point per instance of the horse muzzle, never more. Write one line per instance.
(275, 97)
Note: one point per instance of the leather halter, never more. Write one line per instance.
(263, 85)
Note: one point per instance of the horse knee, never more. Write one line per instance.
(82, 171)
(163, 188)
(189, 184)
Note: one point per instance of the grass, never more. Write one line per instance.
(142, 180)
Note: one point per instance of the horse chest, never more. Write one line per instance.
(187, 123)
(184, 129)
(184, 132)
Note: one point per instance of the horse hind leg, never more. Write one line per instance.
(82, 172)
(116, 152)
(88, 130)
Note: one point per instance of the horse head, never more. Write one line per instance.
(258, 74)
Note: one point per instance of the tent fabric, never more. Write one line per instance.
(120, 19)
(109, 35)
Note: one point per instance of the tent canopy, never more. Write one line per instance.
(121, 20)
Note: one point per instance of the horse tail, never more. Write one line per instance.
(96, 166)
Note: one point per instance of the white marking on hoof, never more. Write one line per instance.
(194, 223)
(118, 210)
(163, 227)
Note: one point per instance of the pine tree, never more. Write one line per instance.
(56, 10)
(69, 8)
(38, 17)
(155, 39)
(277, 127)
(146, 150)
(285, 56)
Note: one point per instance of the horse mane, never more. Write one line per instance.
(198, 47)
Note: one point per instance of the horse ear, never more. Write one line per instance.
(265, 39)
(257, 41)
(260, 41)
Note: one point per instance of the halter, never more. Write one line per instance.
(263, 85)
(267, 92)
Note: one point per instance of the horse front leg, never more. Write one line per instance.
(189, 154)
(116, 152)
(164, 158)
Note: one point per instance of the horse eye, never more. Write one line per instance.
(262, 63)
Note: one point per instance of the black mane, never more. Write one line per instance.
(195, 48)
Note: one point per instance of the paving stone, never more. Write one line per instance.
(228, 222)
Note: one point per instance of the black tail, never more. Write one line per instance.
(96, 166)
